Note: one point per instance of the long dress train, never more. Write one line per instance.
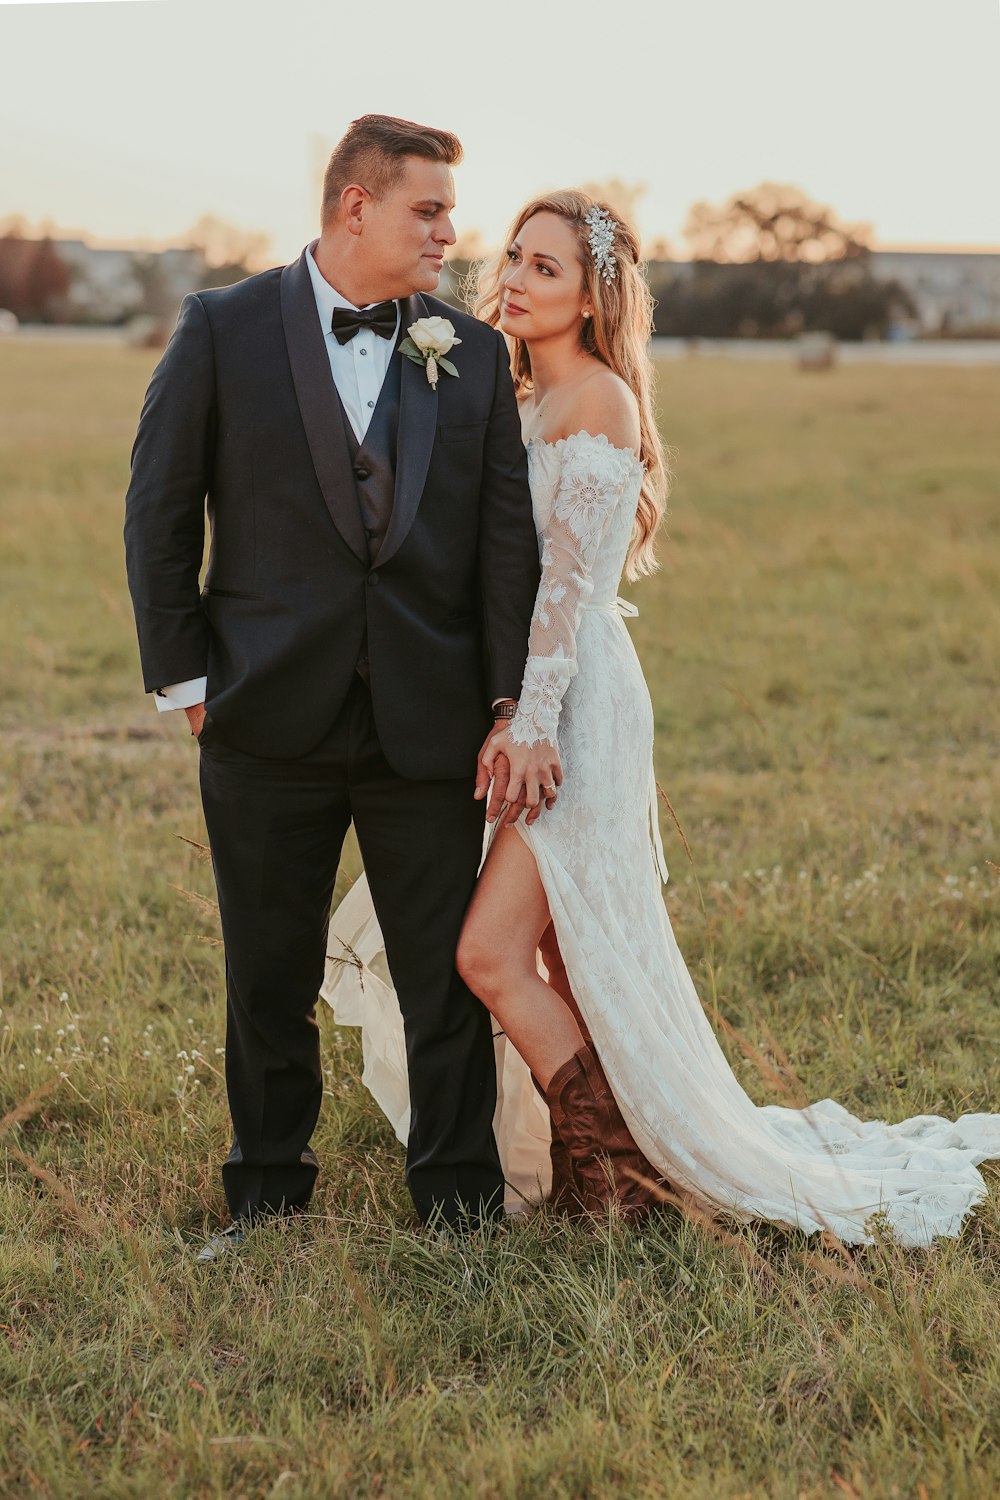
(600, 860)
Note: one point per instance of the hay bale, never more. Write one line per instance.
(816, 351)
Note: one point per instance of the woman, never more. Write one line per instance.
(615, 1038)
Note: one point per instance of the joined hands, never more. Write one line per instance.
(525, 777)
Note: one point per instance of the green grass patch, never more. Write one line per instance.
(822, 648)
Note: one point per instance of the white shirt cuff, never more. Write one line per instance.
(181, 695)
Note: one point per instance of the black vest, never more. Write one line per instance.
(373, 463)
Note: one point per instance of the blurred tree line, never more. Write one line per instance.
(770, 263)
(767, 263)
(45, 279)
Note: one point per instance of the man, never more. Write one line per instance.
(371, 577)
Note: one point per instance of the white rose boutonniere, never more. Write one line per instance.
(430, 339)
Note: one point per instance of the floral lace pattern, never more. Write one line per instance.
(592, 478)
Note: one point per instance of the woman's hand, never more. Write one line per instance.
(523, 776)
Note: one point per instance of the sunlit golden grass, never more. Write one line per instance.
(822, 648)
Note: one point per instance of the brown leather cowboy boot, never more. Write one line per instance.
(564, 1197)
(586, 1118)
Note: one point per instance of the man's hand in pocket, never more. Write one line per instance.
(196, 718)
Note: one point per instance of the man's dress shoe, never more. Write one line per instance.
(222, 1244)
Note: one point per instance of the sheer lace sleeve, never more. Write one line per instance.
(592, 476)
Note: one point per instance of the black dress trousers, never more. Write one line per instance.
(277, 829)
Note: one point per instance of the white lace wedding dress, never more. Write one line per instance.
(601, 862)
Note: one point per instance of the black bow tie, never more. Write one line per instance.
(381, 319)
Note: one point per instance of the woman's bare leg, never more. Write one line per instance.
(497, 958)
(594, 1157)
(559, 979)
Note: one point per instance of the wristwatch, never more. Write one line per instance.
(505, 710)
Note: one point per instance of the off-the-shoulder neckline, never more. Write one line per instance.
(599, 437)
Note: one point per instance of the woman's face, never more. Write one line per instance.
(542, 293)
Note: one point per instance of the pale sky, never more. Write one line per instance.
(133, 118)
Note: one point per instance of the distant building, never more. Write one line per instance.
(955, 291)
(111, 286)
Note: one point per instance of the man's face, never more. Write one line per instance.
(405, 234)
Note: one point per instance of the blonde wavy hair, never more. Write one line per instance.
(617, 334)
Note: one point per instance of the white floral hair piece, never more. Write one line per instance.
(602, 236)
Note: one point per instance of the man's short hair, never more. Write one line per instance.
(373, 154)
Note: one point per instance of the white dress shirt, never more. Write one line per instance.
(359, 368)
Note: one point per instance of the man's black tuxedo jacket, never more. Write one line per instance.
(242, 408)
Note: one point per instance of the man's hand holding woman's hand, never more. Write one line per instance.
(523, 776)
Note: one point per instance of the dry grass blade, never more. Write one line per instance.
(367, 1310)
(203, 851)
(745, 704)
(17, 1116)
(42, 1174)
(772, 1074)
(205, 904)
(677, 825)
(703, 1219)
(246, 1439)
(845, 1486)
(27, 1107)
(354, 959)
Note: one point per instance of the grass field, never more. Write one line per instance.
(822, 647)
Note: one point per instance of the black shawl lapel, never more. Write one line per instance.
(319, 404)
(418, 405)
